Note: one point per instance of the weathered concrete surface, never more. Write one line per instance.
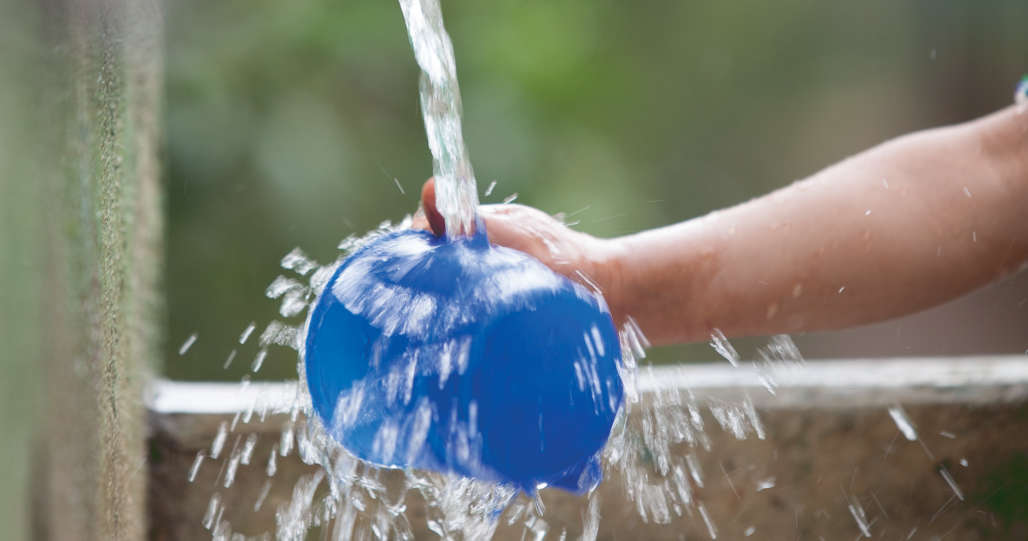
(100, 202)
(830, 444)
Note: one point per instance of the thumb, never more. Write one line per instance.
(435, 220)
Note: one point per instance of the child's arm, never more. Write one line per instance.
(899, 228)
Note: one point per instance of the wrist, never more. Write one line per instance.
(661, 279)
(607, 263)
(1002, 139)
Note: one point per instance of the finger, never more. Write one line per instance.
(435, 220)
(418, 221)
(504, 230)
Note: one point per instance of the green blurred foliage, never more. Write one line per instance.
(23, 255)
(1005, 493)
(288, 121)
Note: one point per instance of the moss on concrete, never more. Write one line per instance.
(1005, 494)
(101, 208)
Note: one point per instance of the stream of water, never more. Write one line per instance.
(456, 192)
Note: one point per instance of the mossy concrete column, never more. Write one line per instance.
(102, 259)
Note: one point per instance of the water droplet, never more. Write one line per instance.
(219, 440)
(212, 511)
(187, 344)
(298, 262)
(262, 495)
(951, 482)
(230, 471)
(723, 347)
(247, 332)
(706, 520)
(272, 461)
(899, 416)
(860, 517)
(196, 466)
(258, 360)
(247, 452)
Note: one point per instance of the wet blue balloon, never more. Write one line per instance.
(458, 356)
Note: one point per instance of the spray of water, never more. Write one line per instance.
(351, 499)
(653, 456)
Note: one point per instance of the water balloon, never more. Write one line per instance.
(453, 355)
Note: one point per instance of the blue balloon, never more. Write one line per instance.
(457, 356)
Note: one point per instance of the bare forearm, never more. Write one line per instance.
(894, 230)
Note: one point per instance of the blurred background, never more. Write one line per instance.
(290, 124)
(296, 124)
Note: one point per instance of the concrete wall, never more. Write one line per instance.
(831, 449)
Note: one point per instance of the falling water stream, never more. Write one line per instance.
(456, 195)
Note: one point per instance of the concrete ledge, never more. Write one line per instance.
(832, 452)
(848, 383)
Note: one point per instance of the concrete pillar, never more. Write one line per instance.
(82, 199)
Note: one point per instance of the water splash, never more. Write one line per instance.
(456, 194)
(351, 499)
(652, 453)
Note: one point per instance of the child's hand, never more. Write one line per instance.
(581, 257)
